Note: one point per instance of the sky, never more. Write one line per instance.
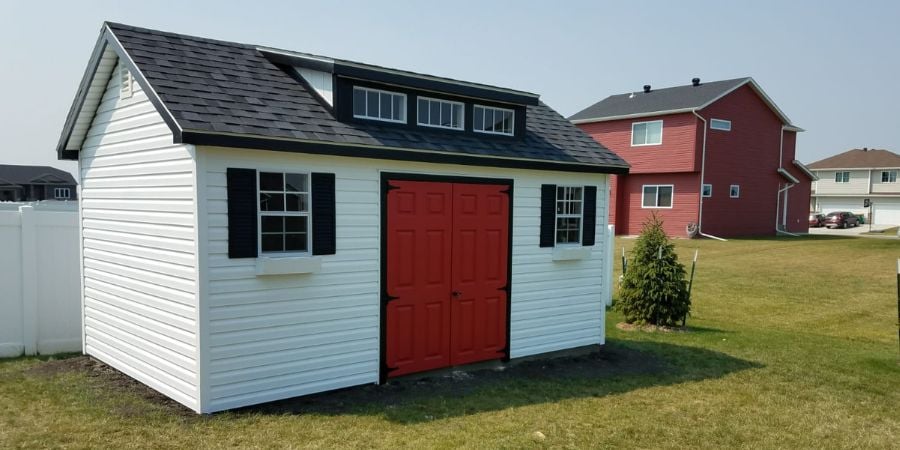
(832, 67)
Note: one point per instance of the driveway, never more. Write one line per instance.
(855, 231)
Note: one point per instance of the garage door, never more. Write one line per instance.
(446, 274)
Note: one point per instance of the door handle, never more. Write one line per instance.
(456, 294)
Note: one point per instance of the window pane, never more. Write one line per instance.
(272, 224)
(508, 122)
(498, 120)
(273, 242)
(639, 134)
(456, 119)
(359, 102)
(385, 106)
(488, 119)
(271, 202)
(372, 104)
(435, 114)
(423, 110)
(649, 196)
(665, 197)
(399, 107)
(295, 242)
(294, 202)
(445, 114)
(296, 224)
(654, 133)
(295, 182)
(478, 120)
(271, 181)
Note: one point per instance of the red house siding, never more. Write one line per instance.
(678, 149)
(675, 219)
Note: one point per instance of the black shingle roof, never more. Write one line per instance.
(658, 100)
(226, 87)
(29, 174)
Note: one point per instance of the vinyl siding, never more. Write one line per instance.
(884, 188)
(273, 337)
(138, 246)
(678, 152)
(858, 184)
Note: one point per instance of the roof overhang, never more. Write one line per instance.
(635, 115)
(787, 175)
(805, 170)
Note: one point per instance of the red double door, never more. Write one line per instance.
(446, 277)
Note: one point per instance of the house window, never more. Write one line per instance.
(492, 120)
(376, 104)
(568, 214)
(889, 176)
(440, 113)
(284, 212)
(657, 196)
(842, 177)
(720, 124)
(734, 191)
(62, 193)
(646, 133)
(126, 83)
(707, 190)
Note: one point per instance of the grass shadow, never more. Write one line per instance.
(618, 367)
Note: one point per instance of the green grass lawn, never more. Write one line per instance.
(793, 345)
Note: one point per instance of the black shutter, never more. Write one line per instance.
(323, 223)
(589, 223)
(548, 215)
(242, 222)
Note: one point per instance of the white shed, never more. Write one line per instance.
(258, 224)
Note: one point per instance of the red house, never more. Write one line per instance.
(712, 158)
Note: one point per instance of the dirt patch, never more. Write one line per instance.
(651, 328)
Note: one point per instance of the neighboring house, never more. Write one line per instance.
(35, 183)
(719, 155)
(847, 179)
(261, 224)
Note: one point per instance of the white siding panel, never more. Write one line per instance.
(272, 337)
(858, 183)
(138, 239)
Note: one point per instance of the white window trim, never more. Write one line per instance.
(724, 125)
(260, 213)
(657, 186)
(67, 191)
(842, 178)
(366, 107)
(703, 188)
(661, 129)
(889, 176)
(557, 216)
(731, 191)
(462, 120)
(512, 133)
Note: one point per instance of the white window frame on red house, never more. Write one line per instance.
(656, 199)
(720, 124)
(734, 191)
(704, 192)
(646, 134)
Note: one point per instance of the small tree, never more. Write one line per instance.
(654, 289)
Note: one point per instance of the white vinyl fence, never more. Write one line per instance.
(40, 290)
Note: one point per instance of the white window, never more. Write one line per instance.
(657, 196)
(62, 193)
(126, 82)
(493, 120)
(707, 190)
(284, 212)
(646, 133)
(734, 191)
(720, 124)
(568, 214)
(440, 113)
(889, 176)
(379, 105)
(842, 177)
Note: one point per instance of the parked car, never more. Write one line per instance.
(842, 219)
(816, 220)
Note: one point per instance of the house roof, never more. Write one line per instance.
(214, 92)
(678, 99)
(20, 175)
(859, 158)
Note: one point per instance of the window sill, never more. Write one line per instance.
(288, 265)
(571, 253)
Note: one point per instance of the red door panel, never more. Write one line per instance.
(419, 221)
(447, 258)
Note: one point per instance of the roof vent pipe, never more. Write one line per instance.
(646, 88)
(695, 81)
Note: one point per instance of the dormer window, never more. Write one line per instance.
(377, 104)
(493, 120)
(440, 113)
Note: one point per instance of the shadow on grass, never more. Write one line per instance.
(620, 366)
